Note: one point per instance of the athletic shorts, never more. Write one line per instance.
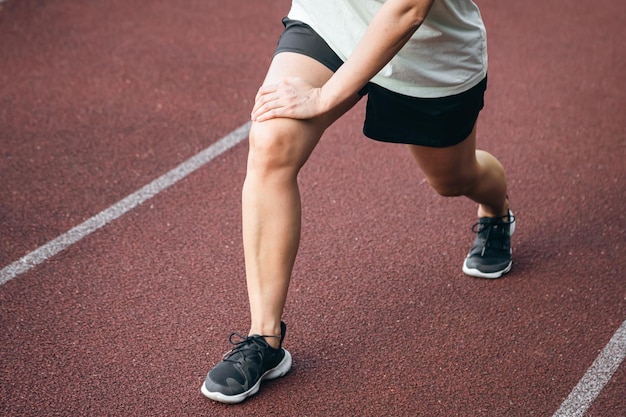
(390, 116)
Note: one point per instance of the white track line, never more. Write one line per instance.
(597, 376)
(106, 216)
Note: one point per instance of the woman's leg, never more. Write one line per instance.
(461, 170)
(271, 199)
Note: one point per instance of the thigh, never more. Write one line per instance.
(292, 64)
(295, 139)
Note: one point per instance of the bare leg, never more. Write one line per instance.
(271, 198)
(463, 170)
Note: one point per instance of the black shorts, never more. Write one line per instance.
(390, 116)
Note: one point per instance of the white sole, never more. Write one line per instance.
(489, 275)
(281, 369)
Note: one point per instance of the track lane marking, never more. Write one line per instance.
(597, 376)
(53, 247)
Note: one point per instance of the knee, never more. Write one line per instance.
(271, 148)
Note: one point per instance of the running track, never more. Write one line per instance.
(122, 140)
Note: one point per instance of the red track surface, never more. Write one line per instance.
(98, 99)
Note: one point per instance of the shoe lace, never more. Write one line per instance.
(245, 344)
(487, 224)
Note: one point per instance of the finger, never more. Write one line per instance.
(263, 114)
(267, 111)
(265, 104)
(269, 100)
(266, 89)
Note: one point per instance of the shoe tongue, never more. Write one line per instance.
(489, 219)
(243, 349)
(493, 222)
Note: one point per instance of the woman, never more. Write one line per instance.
(423, 66)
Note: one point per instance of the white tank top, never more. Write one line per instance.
(447, 54)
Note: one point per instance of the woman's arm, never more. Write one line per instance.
(391, 28)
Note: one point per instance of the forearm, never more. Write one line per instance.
(391, 28)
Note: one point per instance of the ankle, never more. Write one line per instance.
(485, 211)
(271, 335)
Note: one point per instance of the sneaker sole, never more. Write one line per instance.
(490, 275)
(279, 370)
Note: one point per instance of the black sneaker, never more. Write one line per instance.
(239, 374)
(490, 256)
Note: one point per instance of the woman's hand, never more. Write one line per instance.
(292, 98)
